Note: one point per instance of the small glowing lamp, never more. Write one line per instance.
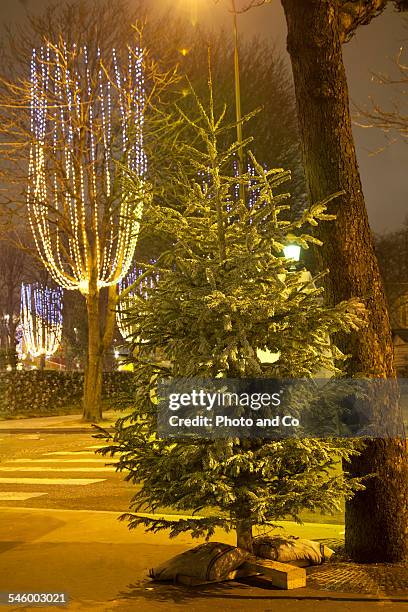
(292, 251)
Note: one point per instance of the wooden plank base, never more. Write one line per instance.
(281, 575)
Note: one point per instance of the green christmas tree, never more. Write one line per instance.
(225, 291)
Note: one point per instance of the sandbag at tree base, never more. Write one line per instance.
(212, 561)
(290, 549)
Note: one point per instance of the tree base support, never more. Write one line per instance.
(280, 575)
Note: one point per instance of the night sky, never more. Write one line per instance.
(384, 175)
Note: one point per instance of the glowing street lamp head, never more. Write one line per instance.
(194, 8)
(292, 251)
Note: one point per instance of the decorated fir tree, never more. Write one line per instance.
(225, 292)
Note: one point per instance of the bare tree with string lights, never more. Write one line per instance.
(87, 111)
(40, 320)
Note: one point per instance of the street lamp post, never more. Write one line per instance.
(238, 111)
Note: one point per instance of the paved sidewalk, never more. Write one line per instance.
(93, 558)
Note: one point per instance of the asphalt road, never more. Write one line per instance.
(49, 462)
(59, 471)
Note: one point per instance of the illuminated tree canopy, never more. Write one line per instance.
(87, 132)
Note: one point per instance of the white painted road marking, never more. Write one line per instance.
(70, 454)
(59, 461)
(68, 463)
(44, 468)
(18, 495)
(95, 448)
(52, 481)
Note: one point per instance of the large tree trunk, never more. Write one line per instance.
(101, 325)
(376, 519)
(92, 400)
(12, 356)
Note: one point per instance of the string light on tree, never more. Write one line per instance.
(20, 342)
(83, 122)
(41, 319)
(138, 290)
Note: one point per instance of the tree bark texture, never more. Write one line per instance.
(377, 518)
(101, 324)
(94, 361)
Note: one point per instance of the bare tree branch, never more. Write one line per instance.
(393, 121)
(245, 7)
(354, 13)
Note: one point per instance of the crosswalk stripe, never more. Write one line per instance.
(51, 481)
(70, 454)
(44, 468)
(100, 460)
(96, 446)
(18, 495)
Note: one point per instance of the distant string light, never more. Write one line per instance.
(252, 189)
(41, 320)
(20, 342)
(83, 122)
(139, 289)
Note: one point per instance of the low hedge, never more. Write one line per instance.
(33, 392)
